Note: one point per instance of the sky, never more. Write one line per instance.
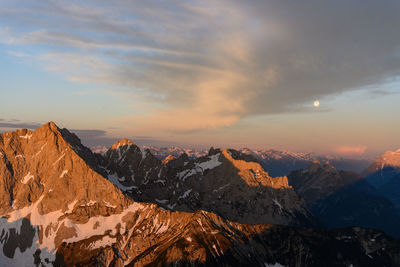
(206, 73)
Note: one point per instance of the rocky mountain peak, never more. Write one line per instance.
(384, 169)
(251, 171)
(38, 166)
(167, 159)
(317, 168)
(121, 143)
(58, 206)
(213, 151)
(319, 180)
(49, 126)
(388, 159)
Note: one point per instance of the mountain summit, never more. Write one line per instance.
(227, 182)
(62, 205)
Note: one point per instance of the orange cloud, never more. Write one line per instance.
(350, 150)
(217, 101)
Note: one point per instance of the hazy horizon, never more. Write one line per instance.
(96, 139)
(202, 73)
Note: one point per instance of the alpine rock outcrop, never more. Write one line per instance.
(60, 207)
(227, 182)
(277, 162)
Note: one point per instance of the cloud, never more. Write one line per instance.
(196, 65)
(89, 137)
(94, 138)
(13, 124)
(350, 150)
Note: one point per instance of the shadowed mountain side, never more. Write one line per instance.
(383, 169)
(19, 243)
(227, 182)
(391, 190)
(205, 240)
(343, 199)
(351, 206)
(317, 181)
(384, 175)
(150, 236)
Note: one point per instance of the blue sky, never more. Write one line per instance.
(201, 73)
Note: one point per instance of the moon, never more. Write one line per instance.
(316, 103)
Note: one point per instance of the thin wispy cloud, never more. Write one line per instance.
(205, 64)
(14, 124)
(350, 150)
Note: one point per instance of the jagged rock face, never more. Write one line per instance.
(168, 159)
(67, 213)
(278, 163)
(343, 199)
(229, 183)
(319, 181)
(202, 239)
(146, 235)
(48, 177)
(129, 167)
(42, 164)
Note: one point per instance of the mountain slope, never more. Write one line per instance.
(58, 208)
(343, 199)
(383, 169)
(227, 182)
(320, 180)
(384, 175)
(277, 162)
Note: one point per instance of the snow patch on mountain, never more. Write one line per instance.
(63, 173)
(116, 181)
(103, 242)
(200, 167)
(27, 178)
(26, 136)
(59, 159)
(185, 194)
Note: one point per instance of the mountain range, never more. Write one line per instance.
(277, 162)
(341, 199)
(63, 205)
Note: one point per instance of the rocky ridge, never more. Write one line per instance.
(227, 182)
(277, 162)
(59, 208)
(342, 199)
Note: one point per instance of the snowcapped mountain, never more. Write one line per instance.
(163, 152)
(59, 206)
(277, 162)
(227, 182)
